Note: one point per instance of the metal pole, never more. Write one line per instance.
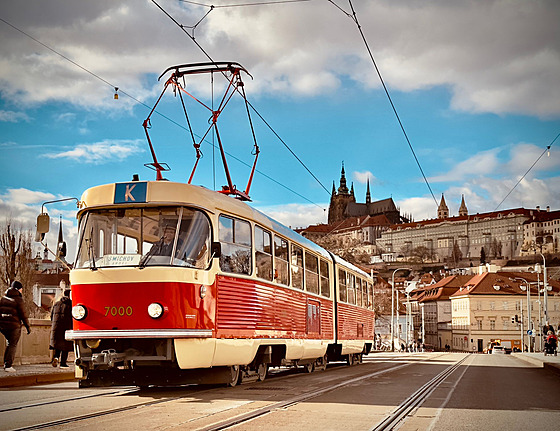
(529, 325)
(398, 323)
(539, 302)
(545, 305)
(393, 308)
(393, 311)
(423, 330)
(521, 321)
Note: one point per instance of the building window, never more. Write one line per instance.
(492, 305)
(492, 325)
(479, 324)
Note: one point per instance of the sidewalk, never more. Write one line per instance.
(551, 363)
(36, 374)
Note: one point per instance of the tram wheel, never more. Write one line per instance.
(262, 371)
(309, 368)
(235, 376)
(350, 360)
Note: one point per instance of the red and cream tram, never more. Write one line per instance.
(174, 283)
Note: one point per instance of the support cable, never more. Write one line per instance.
(155, 112)
(355, 19)
(546, 150)
(249, 103)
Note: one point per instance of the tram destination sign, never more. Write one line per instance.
(126, 193)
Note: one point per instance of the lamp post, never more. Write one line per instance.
(393, 308)
(529, 325)
(545, 287)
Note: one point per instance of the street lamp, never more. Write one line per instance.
(528, 287)
(393, 307)
(545, 282)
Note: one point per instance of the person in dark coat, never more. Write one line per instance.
(12, 315)
(61, 318)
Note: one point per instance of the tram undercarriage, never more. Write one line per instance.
(144, 362)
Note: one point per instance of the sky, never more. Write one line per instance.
(476, 85)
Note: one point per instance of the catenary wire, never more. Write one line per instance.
(528, 170)
(148, 107)
(354, 18)
(249, 103)
(244, 4)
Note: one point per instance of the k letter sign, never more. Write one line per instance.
(126, 193)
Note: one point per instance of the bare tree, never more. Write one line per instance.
(16, 260)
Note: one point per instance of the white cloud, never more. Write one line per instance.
(101, 152)
(480, 164)
(13, 117)
(296, 215)
(24, 205)
(363, 177)
(495, 56)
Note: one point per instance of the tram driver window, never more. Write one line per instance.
(235, 238)
(263, 253)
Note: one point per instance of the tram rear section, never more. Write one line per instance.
(235, 294)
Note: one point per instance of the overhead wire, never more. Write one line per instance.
(546, 150)
(147, 106)
(354, 17)
(249, 103)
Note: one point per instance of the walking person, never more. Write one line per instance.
(61, 321)
(12, 315)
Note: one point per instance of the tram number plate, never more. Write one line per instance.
(118, 311)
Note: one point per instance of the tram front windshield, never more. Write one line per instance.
(144, 237)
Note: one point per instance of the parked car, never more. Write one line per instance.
(499, 349)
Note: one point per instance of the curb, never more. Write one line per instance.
(35, 379)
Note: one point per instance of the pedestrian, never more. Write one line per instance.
(12, 315)
(61, 321)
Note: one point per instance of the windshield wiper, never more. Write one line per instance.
(91, 254)
(150, 253)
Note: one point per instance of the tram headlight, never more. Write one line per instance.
(202, 291)
(79, 312)
(155, 310)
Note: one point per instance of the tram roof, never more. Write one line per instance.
(173, 193)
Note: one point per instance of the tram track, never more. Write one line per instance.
(416, 399)
(336, 383)
(65, 400)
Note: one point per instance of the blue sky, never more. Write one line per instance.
(476, 85)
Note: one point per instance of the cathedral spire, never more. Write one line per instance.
(343, 189)
(333, 193)
(368, 194)
(443, 211)
(463, 208)
(352, 189)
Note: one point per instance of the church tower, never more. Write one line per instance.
(443, 211)
(340, 199)
(368, 194)
(463, 208)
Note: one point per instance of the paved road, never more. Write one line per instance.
(486, 392)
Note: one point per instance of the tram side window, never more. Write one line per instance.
(325, 285)
(311, 273)
(297, 267)
(281, 260)
(370, 296)
(235, 238)
(359, 291)
(342, 285)
(263, 253)
(350, 282)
